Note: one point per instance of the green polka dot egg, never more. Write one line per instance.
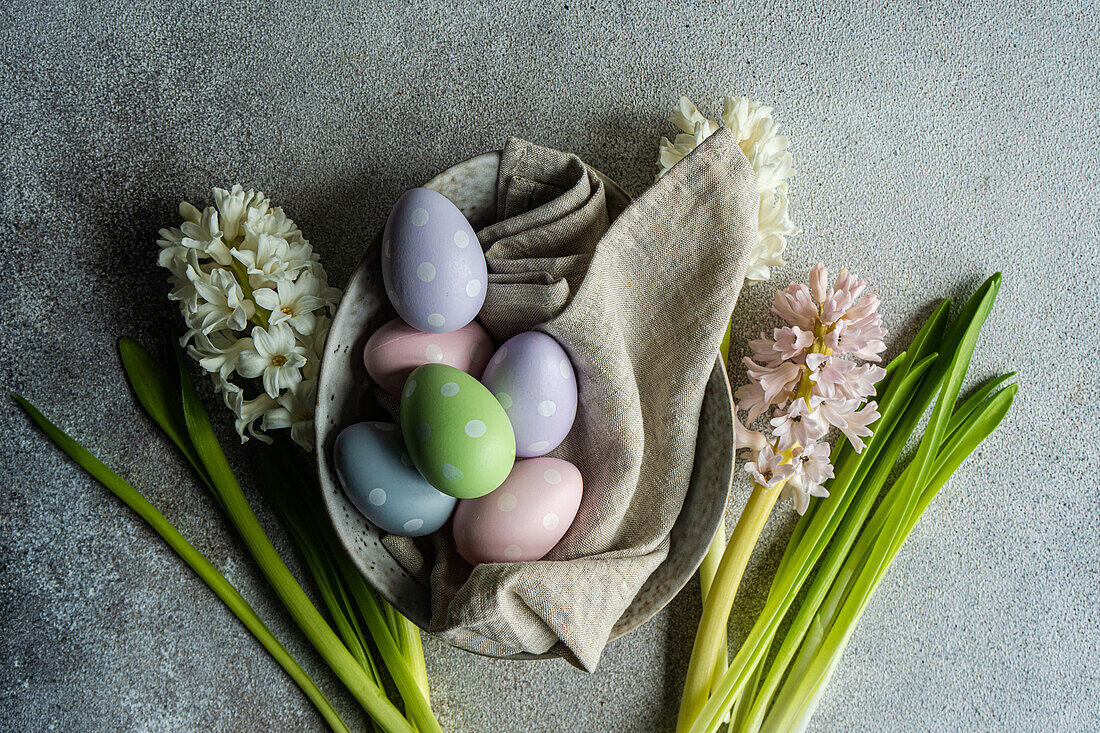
(458, 435)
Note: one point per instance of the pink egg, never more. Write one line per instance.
(395, 349)
(524, 518)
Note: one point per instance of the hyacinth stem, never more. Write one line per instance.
(302, 610)
(716, 610)
(711, 560)
(707, 570)
(290, 485)
(194, 559)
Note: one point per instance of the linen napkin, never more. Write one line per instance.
(640, 305)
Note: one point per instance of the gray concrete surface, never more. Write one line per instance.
(934, 145)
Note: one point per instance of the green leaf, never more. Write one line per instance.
(289, 479)
(976, 399)
(160, 398)
(194, 559)
(799, 696)
(301, 609)
(898, 432)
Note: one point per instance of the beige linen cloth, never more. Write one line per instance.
(640, 305)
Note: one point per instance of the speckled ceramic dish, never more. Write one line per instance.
(345, 397)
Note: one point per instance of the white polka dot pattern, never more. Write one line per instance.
(410, 387)
(387, 491)
(423, 432)
(429, 254)
(436, 320)
(525, 517)
(534, 370)
(451, 472)
(450, 389)
(433, 353)
(504, 399)
(475, 428)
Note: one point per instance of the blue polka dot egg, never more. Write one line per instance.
(432, 263)
(379, 477)
(456, 432)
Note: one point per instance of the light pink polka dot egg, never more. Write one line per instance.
(524, 518)
(395, 349)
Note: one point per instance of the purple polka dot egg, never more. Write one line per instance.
(524, 518)
(532, 378)
(432, 263)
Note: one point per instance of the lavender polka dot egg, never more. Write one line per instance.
(432, 264)
(523, 519)
(532, 378)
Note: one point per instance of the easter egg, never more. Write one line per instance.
(531, 376)
(524, 518)
(379, 477)
(432, 264)
(395, 349)
(458, 435)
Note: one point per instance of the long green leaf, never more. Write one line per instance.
(301, 609)
(160, 398)
(960, 341)
(194, 559)
(972, 403)
(898, 432)
(802, 697)
(294, 479)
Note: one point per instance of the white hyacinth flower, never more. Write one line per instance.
(293, 302)
(248, 412)
(258, 308)
(767, 151)
(276, 357)
(295, 411)
(221, 302)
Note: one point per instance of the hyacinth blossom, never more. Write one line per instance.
(806, 376)
(767, 151)
(257, 306)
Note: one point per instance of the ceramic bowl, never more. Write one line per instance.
(345, 396)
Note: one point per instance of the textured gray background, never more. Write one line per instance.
(934, 146)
